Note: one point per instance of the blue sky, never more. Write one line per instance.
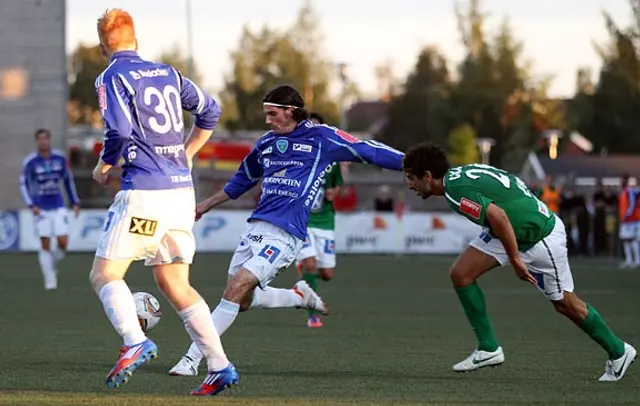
(558, 35)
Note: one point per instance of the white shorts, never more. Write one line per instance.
(52, 223)
(547, 260)
(321, 245)
(154, 225)
(264, 250)
(628, 231)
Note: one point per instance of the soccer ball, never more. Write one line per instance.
(148, 309)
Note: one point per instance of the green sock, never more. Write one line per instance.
(472, 301)
(597, 329)
(312, 280)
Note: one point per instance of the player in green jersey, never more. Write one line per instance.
(519, 230)
(317, 258)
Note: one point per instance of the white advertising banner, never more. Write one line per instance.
(364, 232)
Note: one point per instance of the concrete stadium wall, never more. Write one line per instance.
(33, 84)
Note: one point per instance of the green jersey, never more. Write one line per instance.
(470, 189)
(323, 215)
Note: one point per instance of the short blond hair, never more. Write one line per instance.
(116, 29)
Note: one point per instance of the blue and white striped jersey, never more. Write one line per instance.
(141, 103)
(40, 180)
(292, 167)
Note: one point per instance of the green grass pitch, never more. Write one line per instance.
(395, 330)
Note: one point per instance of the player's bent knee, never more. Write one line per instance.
(326, 274)
(309, 265)
(571, 307)
(461, 277)
(104, 271)
(63, 241)
(45, 244)
(240, 285)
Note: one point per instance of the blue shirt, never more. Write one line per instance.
(40, 180)
(141, 103)
(293, 166)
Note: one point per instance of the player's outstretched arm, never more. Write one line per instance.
(206, 111)
(113, 99)
(342, 146)
(501, 227)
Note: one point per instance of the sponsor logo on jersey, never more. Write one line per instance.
(470, 208)
(274, 180)
(302, 147)
(317, 184)
(148, 73)
(281, 174)
(346, 136)
(270, 253)
(282, 145)
(169, 150)
(143, 226)
(267, 151)
(102, 97)
(266, 162)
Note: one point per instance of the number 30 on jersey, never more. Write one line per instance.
(168, 106)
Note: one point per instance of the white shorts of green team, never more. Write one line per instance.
(264, 250)
(52, 223)
(547, 261)
(321, 245)
(154, 225)
(629, 230)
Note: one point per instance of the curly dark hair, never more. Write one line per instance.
(288, 96)
(426, 157)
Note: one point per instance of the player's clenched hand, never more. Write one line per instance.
(522, 271)
(76, 210)
(201, 209)
(101, 172)
(35, 210)
(330, 194)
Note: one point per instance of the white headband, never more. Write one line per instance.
(284, 106)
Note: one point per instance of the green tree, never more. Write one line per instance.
(86, 64)
(422, 110)
(463, 146)
(268, 58)
(608, 115)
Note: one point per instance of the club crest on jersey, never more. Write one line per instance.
(102, 97)
(282, 145)
(470, 208)
(302, 147)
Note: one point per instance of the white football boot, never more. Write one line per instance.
(310, 299)
(480, 359)
(614, 370)
(185, 367)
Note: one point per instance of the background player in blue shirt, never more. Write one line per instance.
(291, 160)
(151, 218)
(42, 173)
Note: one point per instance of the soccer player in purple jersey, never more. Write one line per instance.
(152, 216)
(42, 173)
(292, 161)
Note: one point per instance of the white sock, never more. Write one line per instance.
(58, 255)
(120, 308)
(628, 252)
(273, 298)
(197, 321)
(48, 269)
(223, 316)
(635, 249)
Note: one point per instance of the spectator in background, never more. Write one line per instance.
(611, 210)
(599, 220)
(384, 201)
(551, 195)
(346, 200)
